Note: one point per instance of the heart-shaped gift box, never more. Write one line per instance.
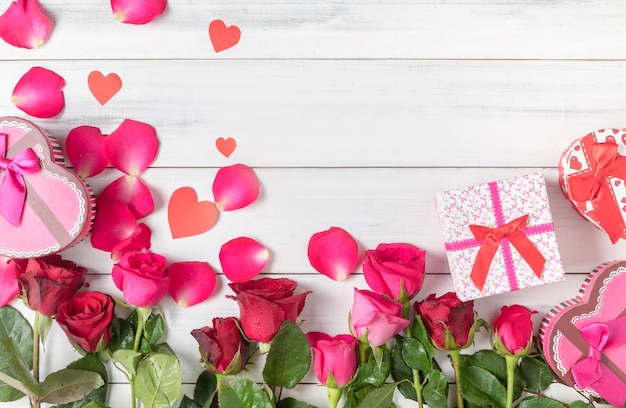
(592, 175)
(44, 207)
(584, 339)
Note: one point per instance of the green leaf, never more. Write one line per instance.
(68, 385)
(496, 365)
(91, 363)
(289, 358)
(537, 373)
(129, 359)
(380, 397)
(293, 403)
(19, 370)
(400, 371)
(205, 389)
(188, 403)
(158, 381)
(372, 373)
(94, 404)
(540, 402)
(418, 330)
(481, 387)
(580, 404)
(435, 391)
(415, 355)
(44, 323)
(240, 392)
(14, 325)
(123, 335)
(154, 328)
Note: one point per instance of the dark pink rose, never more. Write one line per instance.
(142, 277)
(514, 328)
(336, 355)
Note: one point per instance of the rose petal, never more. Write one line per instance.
(191, 282)
(138, 240)
(137, 11)
(24, 24)
(9, 271)
(114, 223)
(132, 147)
(242, 259)
(132, 192)
(84, 147)
(333, 253)
(39, 93)
(235, 187)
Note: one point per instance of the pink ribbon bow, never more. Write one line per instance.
(13, 186)
(591, 371)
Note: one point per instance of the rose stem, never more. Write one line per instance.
(455, 355)
(417, 381)
(36, 352)
(511, 362)
(136, 344)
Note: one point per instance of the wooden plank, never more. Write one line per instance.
(347, 113)
(471, 29)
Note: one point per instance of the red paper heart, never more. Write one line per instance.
(223, 37)
(103, 88)
(226, 146)
(187, 216)
(575, 164)
(601, 300)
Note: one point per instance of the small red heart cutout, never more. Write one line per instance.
(187, 216)
(575, 164)
(226, 146)
(103, 88)
(223, 37)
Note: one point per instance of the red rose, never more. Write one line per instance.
(86, 320)
(391, 267)
(49, 281)
(264, 304)
(142, 277)
(514, 328)
(447, 320)
(223, 348)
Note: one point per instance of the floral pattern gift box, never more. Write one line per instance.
(499, 236)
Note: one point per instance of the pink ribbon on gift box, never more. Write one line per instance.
(13, 186)
(503, 241)
(591, 371)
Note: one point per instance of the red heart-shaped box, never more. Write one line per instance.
(584, 339)
(58, 206)
(592, 175)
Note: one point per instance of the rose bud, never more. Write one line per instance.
(375, 316)
(49, 281)
(142, 277)
(514, 330)
(223, 348)
(264, 304)
(334, 358)
(448, 320)
(86, 319)
(395, 270)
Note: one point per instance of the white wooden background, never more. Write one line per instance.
(354, 113)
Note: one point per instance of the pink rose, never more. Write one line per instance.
(142, 277)
(514, 328)
(264, 304)
(391, 267)
(376, 315)
(336, 355)
(10, 269)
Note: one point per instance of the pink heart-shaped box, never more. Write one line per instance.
(59, 206)
(564, 334)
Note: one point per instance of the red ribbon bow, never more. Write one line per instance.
(491, 238)
(590, 371)
(13, 186)
(604, 161)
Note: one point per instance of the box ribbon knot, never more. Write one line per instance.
(13, 187)
(591, 371)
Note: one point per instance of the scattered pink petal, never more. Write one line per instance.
(10, 269)
(333, 253)
(132, 192)
(24, 24)
(242, 259)
(132, 147)
(138, 240)
(235, 187)
(191, 282)
(84, 147)
(114, 223)
(137, 11)
(39, 93)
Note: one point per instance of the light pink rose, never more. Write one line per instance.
(376, 315)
